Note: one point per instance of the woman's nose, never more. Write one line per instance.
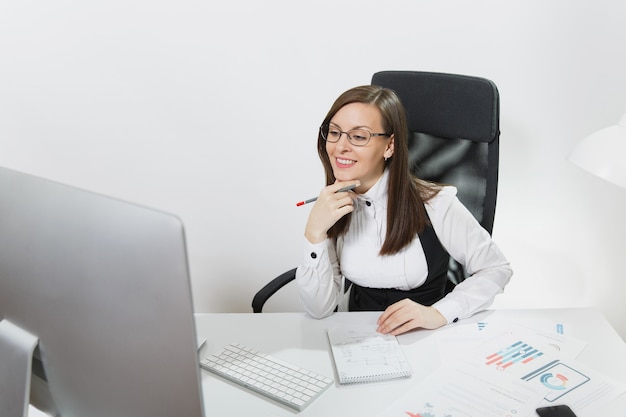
(344, 141)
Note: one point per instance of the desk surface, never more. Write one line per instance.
(301, 340)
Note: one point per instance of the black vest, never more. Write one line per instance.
(431, 291)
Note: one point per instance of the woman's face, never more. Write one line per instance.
(365, 163)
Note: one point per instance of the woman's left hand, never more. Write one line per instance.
(407, 315)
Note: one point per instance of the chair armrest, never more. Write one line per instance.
(270, 289)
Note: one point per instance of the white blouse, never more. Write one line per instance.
(320, 275)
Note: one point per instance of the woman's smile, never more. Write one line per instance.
(344, 163)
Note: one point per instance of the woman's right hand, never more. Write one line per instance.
(328, 209)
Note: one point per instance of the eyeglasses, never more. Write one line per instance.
(357, 137)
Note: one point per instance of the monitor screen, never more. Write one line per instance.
(104, 286)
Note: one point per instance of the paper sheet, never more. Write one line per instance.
(458, 391)
(506, 372)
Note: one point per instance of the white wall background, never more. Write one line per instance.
(209, 110)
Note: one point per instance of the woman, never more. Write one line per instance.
(392, 236)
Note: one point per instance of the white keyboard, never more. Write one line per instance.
(271, 377)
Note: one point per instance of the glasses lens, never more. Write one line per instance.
(330, 134)
(324, 131)
(359, 137)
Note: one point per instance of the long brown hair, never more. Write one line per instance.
(406, 215)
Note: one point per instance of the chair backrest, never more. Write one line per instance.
(454, 133)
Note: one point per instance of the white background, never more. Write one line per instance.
(210, 110)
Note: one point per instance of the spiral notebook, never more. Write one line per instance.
(361, 354)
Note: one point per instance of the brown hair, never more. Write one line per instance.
(406, 215)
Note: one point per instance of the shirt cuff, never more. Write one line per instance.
(449, 309)
(312, 253)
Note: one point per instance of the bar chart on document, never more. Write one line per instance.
(524, 360)
(517, 352)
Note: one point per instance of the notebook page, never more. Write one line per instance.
(361, 354)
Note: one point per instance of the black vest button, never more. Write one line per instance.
(368, 203)
(313, 255)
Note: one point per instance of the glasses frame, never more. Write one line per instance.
(341, 132)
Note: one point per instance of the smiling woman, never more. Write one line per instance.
(386, 245)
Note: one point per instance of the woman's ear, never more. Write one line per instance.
(389, 150)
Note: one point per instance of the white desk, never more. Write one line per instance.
(297, 338)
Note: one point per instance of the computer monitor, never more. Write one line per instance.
(103, 285)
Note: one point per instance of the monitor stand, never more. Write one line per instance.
(16, 357)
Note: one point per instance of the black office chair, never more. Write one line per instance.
(454, 132)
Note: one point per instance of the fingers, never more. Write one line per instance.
(389, 312)
(407, 315)
(395, 316)
(410, 325)
(331, 205)
(343, 186)
(342, 202)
